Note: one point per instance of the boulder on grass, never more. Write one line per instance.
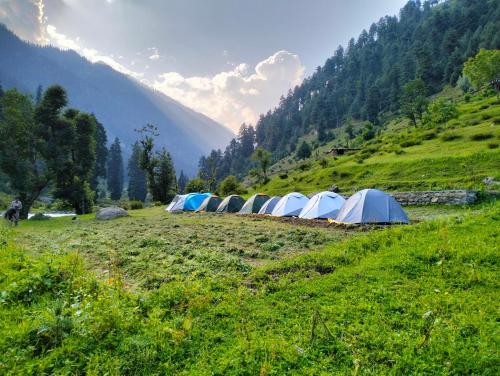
(105, 214)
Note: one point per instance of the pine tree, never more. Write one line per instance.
(137, 183)
(115, 170)
(182, 182)
(304, 150)
(99, 172)
(158, 166)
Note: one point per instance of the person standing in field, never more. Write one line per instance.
(16, 206)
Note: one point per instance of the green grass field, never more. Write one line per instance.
(204, 294)
(470, 153)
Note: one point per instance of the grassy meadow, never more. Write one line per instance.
(201, 294)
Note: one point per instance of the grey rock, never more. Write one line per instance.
(450, 197)
(489, 180)
(105, 214)
(334, 188)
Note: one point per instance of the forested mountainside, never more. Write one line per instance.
(429, 40)
(119, 102)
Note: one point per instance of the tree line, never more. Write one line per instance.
(387, 71)
(48, 148)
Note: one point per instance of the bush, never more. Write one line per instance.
(429, 135)
(195, 185)
(283, 175)
(496, 121)
(492, 145)
(473, 122)
(40, 217)
(449, 136)
(136, 204)
(410, 142)
(440, 111)
(481, 136)
(230, 186)
(486, 116)
(304, 166)
(323, 163)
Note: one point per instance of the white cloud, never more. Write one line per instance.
(25, 17)
(155, 55)
(238, 95)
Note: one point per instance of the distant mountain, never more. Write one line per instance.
(120, 103)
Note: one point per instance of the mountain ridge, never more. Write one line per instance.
(120, 102)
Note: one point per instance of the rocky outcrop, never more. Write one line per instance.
(105, 214)
(450, 197)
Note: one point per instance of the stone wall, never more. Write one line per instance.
(452, 197)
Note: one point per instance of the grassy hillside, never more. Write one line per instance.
(417, 299)
(457, 154)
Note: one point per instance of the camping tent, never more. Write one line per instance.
(269, 205)
(290, 205)
(254, 204)
(371, 206)
(323, 205)
(210, 204)
(177, 203)
(231, 204)
(194, 200)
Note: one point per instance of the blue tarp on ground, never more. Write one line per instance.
(194, 200)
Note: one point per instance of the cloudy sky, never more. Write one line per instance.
(229, 59)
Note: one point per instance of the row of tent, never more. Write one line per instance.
(366, 206)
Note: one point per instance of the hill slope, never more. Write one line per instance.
(118, 101)
(458, 154)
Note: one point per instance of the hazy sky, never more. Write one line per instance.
(229, 59)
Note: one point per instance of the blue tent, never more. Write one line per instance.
(194, 200)
(371, 206)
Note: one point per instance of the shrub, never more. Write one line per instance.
(429, 135)
(492, 145)
(481, 136)
(496, 121)
(229, 186)
(473, 122)
(283, 175)
(136, 204)
(304, 166)
(410, 142)
(449, 136)
(486, 116)
(40, 217)
(440, 111)
(323, 163)
(195, 185)
(467, 98)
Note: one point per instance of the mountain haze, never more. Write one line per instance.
(121, 103)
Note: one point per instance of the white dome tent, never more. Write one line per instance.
(290, 205)
(371, 206)
(323, 205)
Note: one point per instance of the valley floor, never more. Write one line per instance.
(206, 294)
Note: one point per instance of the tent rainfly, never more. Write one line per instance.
(231, 204)
(177, 203)
(194, 200)
(323, 205)
(210, 204)
(269, 205)
(254, 204)
(372, 206)
(290, 205)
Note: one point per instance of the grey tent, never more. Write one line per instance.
(210, 204)
(269, 205)
(231, 204)
(254, 204)
(371, 206)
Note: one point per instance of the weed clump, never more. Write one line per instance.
(449, 136)
(481, 136)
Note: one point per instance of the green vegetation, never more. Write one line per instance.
(404, 300)
(457, 153)
(115, 170)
